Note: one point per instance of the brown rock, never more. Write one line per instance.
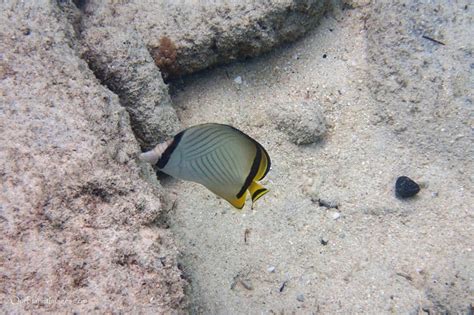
(205, 35)
(76, 218)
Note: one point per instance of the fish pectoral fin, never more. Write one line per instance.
(238, 202)
(256, 191)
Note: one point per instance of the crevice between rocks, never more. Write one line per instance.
(132, 76)
(74, 11)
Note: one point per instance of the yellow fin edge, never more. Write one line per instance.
(238, 203)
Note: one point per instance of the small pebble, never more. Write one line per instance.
(328, 204)
(26, 31)
(324, 240)
(271, 269)
(300, 297)
(238, 80)
(406, 187)
(336, 215)
(246, 284)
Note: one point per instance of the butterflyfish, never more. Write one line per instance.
(222, 158)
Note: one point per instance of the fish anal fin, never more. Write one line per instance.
(256, 191)
(238, 202)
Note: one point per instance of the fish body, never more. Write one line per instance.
(222, 158)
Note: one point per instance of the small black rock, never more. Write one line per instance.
(406, 187)
(324, 241)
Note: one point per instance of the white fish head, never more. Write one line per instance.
(154, 155)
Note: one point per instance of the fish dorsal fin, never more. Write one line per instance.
(264, 165)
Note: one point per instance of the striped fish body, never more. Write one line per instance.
(220, 157)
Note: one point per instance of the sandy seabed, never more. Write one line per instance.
(373, 253)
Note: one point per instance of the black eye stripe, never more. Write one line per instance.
(169, 150)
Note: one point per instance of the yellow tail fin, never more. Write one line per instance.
(256, 191)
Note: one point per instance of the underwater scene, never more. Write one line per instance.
(236, 157)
